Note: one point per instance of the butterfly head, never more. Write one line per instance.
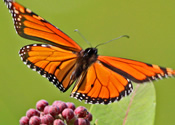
(90, 52)
(88, 56)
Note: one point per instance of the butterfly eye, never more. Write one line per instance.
(95, 51)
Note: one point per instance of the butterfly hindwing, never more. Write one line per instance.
(31, 26)
(101, 85)
(136, 71)
(54, 63)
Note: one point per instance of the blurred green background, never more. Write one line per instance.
(150, 25)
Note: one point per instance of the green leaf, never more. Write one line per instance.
(136, 109)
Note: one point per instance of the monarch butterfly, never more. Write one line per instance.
(98, 79)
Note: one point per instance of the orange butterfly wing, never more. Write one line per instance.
(101, 85)
(31, 26)
(136, 71)
(54, 63)
(109, 79)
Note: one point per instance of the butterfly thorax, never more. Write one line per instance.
(85, 59)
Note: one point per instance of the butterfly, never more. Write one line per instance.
(98, 79)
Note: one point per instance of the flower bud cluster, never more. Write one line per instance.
(59, 113)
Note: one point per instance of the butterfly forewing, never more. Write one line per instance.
(31, 26)
(136, 71)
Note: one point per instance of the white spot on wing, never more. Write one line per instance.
(44, 45)
(9, 5)
(129, 85)
(35, 44)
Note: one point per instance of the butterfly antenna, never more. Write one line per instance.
(112, 40)
(76, 30)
